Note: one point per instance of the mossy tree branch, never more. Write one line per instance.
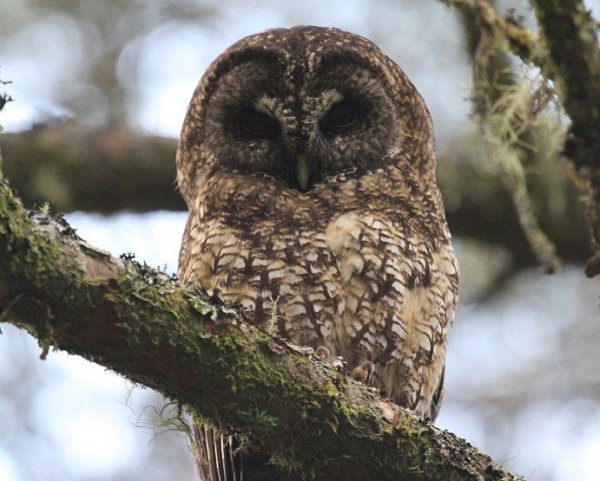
(568, 54)
(570, 34)
(507, 116)
(140, 323)
(519, 40)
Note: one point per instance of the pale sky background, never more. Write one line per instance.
(523, 380)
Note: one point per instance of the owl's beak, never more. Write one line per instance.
(302, 171)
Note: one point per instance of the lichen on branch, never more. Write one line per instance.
(570, 34)
(568, 54)
(509, 109)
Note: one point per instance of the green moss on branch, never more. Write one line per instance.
(191, 347)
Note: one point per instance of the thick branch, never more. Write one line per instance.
(74, 168)
(192, 348)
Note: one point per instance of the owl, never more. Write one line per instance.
(307, 163)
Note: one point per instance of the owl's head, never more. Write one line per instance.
(301, 106)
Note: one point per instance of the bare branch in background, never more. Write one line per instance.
(102, 170)
(108, 171)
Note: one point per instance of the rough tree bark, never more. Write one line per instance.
(312, 420)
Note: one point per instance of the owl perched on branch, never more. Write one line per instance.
(307, 163)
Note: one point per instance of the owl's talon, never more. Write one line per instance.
(322, 354)
(362, 373)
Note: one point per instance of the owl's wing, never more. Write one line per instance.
(208, 248)
(398, 293)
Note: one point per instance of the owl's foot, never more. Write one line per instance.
(362, 372)
(322, 354)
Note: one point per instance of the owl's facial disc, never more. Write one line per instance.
(298, 126)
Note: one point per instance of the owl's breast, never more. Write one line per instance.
(264, 247)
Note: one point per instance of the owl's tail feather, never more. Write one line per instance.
(217, 455)
(438, 396)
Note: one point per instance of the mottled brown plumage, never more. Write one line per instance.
(307, 163)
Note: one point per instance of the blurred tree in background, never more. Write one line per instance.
(100, 90)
